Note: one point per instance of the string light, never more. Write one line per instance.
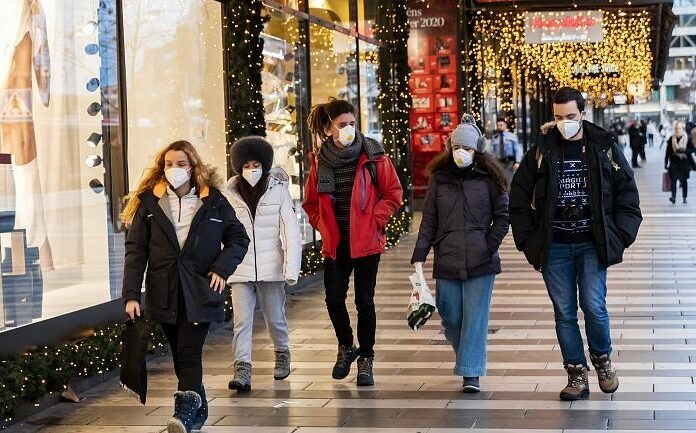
(619, 64)
(31, 376)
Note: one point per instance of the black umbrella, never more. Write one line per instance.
(133, 371)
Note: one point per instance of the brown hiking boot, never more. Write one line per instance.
(578, 388)
(608, 379)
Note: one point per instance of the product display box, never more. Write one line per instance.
(427, 142)
(421, 122)
(421, 84)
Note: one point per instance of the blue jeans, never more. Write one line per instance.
(464, 307)
(573, 269)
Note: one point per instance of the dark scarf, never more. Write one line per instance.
(252, 195)
(332, 157)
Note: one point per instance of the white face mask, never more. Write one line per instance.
(462, 158)
(346, 135)
(252, 175)
(568, 128)
(177, 176)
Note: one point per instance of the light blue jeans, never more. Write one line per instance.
(464, 307)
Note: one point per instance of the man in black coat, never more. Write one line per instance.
(574, 209)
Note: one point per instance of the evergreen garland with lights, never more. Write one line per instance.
(394, 103)
(243, 24)
(31, 376)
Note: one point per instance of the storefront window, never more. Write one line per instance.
(334, 66)
(174, 76)
(282, 76)
(334, 11)
(367, 16)
(369, 91)
(56, 75)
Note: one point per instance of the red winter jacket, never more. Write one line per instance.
(369, 213)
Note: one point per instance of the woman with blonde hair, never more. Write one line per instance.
(177, 221)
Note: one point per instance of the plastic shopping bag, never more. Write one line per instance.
(422, 304)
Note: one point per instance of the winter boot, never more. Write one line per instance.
(242, 377)
(578, 387)
(365, 375)
(186, 404)
(608, 379)
(282, 364)
(345, 357)
(202, 413)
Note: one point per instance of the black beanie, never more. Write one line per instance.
(249, 149)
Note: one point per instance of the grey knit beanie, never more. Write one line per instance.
(468, 134)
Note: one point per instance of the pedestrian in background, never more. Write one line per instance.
(574, 209)
(506, 148)
(636, 142)
(465, 218)
(184, 234)
(262, 202)
(679, 161)
(351, 193)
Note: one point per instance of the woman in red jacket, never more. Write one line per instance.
(351, 193)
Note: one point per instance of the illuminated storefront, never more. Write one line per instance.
(504, 59)
(92, 89)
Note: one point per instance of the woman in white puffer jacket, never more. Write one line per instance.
(261, 199)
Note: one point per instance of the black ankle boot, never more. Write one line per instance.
(202, 413)
(186, 404)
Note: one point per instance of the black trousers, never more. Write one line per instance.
(336, 278)
(684, 185)
(186, 340)
(634, 156)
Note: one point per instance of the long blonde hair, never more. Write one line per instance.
(202, 175)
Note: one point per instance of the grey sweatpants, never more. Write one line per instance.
(271, 298)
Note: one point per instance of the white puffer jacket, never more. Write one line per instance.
(275, 250)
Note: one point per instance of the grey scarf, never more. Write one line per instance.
(332, 157)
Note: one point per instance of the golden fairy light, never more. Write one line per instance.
(620, 64)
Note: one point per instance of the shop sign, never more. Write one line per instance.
(419, 18)
(563, 27)
(595, 70)
(620, 99)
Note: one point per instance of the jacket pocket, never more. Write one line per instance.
(532, 249)
(477, 252)
(207, 296)
(157, 289)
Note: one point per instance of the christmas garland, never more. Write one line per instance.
(394, 103)
(243, 24)
(31, 376)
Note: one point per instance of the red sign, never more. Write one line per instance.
(568, 22)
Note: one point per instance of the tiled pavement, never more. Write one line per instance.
(652, 299)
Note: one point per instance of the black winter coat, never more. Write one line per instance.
(679, 168)
(614, 199)
(217, 242)
(465, 219)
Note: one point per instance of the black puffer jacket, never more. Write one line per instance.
(679, 166)
(614, 199)
(465, 218)
(217, 242)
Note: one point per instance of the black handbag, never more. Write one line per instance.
(133, 377)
